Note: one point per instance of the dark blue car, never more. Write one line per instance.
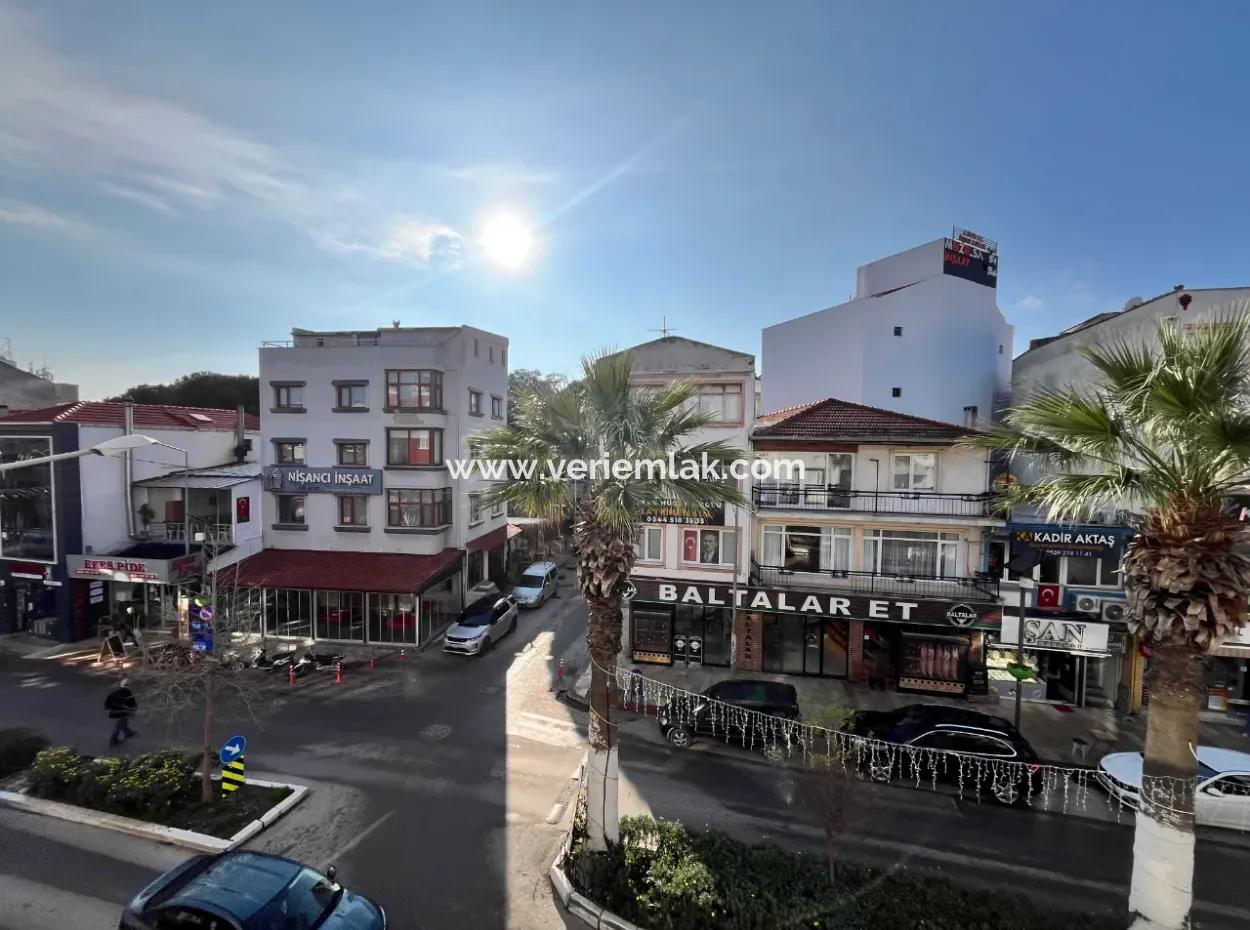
(249, 891)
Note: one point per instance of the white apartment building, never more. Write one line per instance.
(367, 537)
(671, 548)
(922, 335)
(84, 538)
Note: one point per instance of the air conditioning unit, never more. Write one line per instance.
(1087, 603)
(1114, 611)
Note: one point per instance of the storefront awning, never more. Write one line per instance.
(494, 538)
(215, 478)
(1232, 650)
(380, 572)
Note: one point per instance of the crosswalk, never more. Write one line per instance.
(551, 731)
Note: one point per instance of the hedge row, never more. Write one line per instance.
(154, 783)
(18, 748)
(663, 876)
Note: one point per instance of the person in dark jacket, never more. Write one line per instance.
(121, 705)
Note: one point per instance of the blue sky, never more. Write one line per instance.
(179, 182)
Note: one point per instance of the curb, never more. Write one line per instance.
(201, 842)
(578, 904)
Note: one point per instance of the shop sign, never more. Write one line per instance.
(299, 479)
(818, 604)
(1058, 635)
(673, 513)
(1066, 540)
(155, 571)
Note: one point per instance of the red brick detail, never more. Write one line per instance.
(855, 649)
(748, 641)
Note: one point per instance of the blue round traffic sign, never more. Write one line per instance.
(234, 747)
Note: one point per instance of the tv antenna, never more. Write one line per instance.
(664, 329)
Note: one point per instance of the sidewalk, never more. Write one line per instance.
(1050, 728)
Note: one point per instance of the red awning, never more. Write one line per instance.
(494, 538)
(382, 572)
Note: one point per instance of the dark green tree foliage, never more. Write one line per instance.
(200, 389)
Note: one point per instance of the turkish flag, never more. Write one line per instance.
(1048, 596)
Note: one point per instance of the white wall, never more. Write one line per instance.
(959, 471)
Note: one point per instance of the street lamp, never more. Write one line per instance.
(115, 446)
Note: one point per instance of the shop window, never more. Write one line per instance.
(649, 543)
(414, 389)
(475, 403)
(26, 501)
(911, 553)
(353, 453)
(289, 453)
(351, 396)
(340, 615)
(721, 402)
(353, 510)
(807, 548)
(393, 618)
(291, 508)
(288, 397)
(708, 547)
(915, 471)
(934, 658)
(418, 507)
(414, 447)
(439, 606)
(288, 612)
(475, 509)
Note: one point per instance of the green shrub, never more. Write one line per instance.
(147, 785)
(663, 876)
(18, 748)
(55, 773)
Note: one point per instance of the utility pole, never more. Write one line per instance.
(1026, 585)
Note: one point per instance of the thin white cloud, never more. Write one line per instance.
(1030, 302)
(41, 219)
(63, 122)
(499, 175)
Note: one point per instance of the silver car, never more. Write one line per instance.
(538, 582)
(480, 625)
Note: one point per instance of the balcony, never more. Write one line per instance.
(912, 503)
(215, 534)
(978, 588)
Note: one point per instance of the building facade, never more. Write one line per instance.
(32, 390)
(367, 535)
(80, 539)
(922, 335)
(678, 548)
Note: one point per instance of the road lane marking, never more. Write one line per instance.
(358, 839)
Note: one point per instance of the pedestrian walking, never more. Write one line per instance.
(121, 705)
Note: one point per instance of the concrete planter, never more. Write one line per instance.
(200, 842)
(578, 904)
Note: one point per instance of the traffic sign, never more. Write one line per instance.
(234, 747)
(206, 613)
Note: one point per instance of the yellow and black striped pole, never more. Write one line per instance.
(232, 777)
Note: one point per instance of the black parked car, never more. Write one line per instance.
(954, 729)
(707, 720)
(249, 891)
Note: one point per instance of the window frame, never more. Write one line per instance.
(437, 507)
(874, 539)
(496, 407)
(428, 380)
(284, 389)
(475, 509)
(475, 402)
(350, 387)
(359, 510)
(821, 532)
(722, 549)
(435, 442)
(496, 509)
(643, 550)
(285, 504)
(361, 446)
(280, 459)
(911, 470)
(721, 389)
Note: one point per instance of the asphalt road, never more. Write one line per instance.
(435, 777)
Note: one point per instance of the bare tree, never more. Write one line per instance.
(829, 786)
(177, 678)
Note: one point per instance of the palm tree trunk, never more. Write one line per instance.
(603, 642)
(1163, 841)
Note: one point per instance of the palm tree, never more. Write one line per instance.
(603, 417)
(1163, 431)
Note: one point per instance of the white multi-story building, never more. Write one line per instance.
(922, 335)
(670, 547)
(367, 535)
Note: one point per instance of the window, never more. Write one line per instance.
(496, 509)
(418, 507)
(288, 396)
(911, 553)
(353, 453)
(503, 357)
(475, 402)
(898, 330)
(1000, 348)
(491, 350)
(707, 547)
(915, 471)
(496, 407)
(350, 397)
(807, 548)
(475, 509)
(414, 447)
(649, 544)
(26, 501)
(1080, 570)
(393, 618)
(721, 402)
(289, 453)
(477, 349)
(291, 508)
(353, 510)
(896, 392)
(414, 389)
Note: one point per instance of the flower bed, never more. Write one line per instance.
(158, 787)
(664, 876)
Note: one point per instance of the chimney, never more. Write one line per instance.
(970, 416)
(240, 438)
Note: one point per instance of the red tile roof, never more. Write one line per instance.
(151, 416)
(835, 419)
(382, 572)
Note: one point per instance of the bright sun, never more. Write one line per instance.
(507, 241)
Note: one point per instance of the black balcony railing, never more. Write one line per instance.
(980, 588)
(796, 497)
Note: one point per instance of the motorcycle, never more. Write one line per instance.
(317, 661)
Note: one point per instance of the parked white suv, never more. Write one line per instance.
(538, 582)
(480, 625)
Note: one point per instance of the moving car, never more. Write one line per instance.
(707, 720)
(952, 729)
(1221, 795)
(538, 582)
(246, 890)
(480, 625)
